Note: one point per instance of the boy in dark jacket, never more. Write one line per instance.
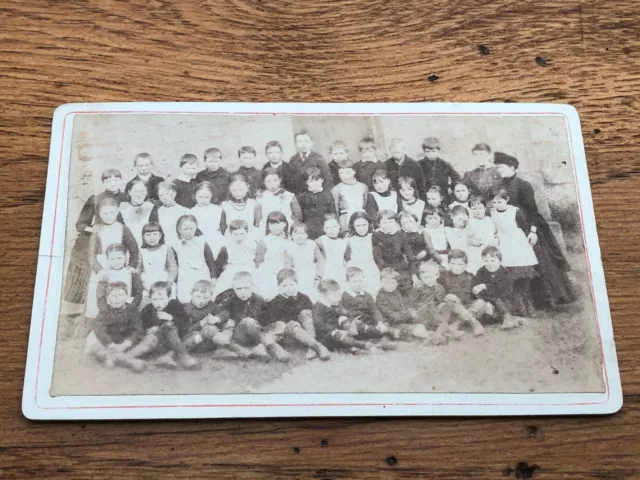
(315, 203)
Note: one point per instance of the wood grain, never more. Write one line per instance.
(55, 52)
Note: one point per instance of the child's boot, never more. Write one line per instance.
(186, 361)
(509, 322)
(279, 353)
(127, 361)
(167, 361)
(146, 345)
(259, 352)
(477, 328)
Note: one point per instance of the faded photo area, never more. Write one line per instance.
(219, 254)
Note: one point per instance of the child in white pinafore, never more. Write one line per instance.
(483, 233)
(157, 260)
(169, 212)
(349, 195)
(333, 247)
(459, 235)
(107, 231)
(240, 207)
(272, 255)
(409, 200)
(461, 194)
(434, 226)
(276, 199)
(208, 215)
(138, 212)
(193, 255)
(360, 251)
(307, 260)
(237, 255)
(382, 197)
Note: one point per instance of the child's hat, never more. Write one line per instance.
(500, 158)
(431, 143)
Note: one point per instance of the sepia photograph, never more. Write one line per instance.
(230, 254)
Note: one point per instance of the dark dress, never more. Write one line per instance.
(301, 164)
(409, 168)
(439, 173)
(552, 285)
(79, 271)
(482, 181)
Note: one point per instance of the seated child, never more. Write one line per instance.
(333, 328)
(395, 309)
(166, 324)
(457, 283)
(494, 285)
(247, 156)
(361, 306)
(217, 176)
(185, 182)
(209, 325)
(116, 329)
(118, 271)
(382, 197)
(248, 310)
(290, 312)
(315, 203)
(369, 162)
(428, 301)
(390, 248)
(349, 195)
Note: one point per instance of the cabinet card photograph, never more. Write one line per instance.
(243, 260)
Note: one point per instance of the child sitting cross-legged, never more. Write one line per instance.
(333, 328)
(457, 282)
(115, 330)
(166, 324)
(361, 307)
(289, 312)
(396, 309)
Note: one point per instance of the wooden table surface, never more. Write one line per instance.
(588, 55)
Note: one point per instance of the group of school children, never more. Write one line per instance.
(325, 256)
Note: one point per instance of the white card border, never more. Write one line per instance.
(37, 404)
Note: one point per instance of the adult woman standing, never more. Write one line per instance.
(553, 282)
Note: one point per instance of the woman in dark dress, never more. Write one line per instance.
(552, 286)
(483, 179)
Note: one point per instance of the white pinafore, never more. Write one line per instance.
(514, 246)
(386, 203)
(303, 257)
(135, 217)
(168, 218)
(208, 217)
(274, 261)
(245, 211)
(417, 208)
(154, 265)
(334, 265)
(191, 266)
(240, 258)
(484, 230)
(362, 257)
(270, 202)
(439, 242)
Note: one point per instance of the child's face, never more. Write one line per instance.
(333, 297)
(213, 162)
(434, 199)
(189, 169)
(143, 166)
(491, 262)
(332, 228)
(433, 221)
(408, 223)
(277, 228)
(431, 153)
(356, 282)
(478, 210)
(116, 260)
(304, 143)
(167, 196)
(188, 230)
(274, 154)
(338, 154)
(243, 289)
(239, 235)
(406, 191)
(238, 190)
(152, 238)
(109, 214)
(457, 266)
(299, 236)
(138, 193)
(347, 175)
(506, 171)
(368, 154)
(315, 184)
(461, 192)
(112, 184)
(117, 298)
(388, 225)
(429, 276)
(247, 159)
(272, 183)
(200, 298)
(460, 220)
(482, 159)
(203, 197)
(389, 284)
(500, 203)
(398, 151)
(381, 185)
(159, 299)
(288, 287)
(361, 227)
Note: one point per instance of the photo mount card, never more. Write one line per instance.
(155, 256)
